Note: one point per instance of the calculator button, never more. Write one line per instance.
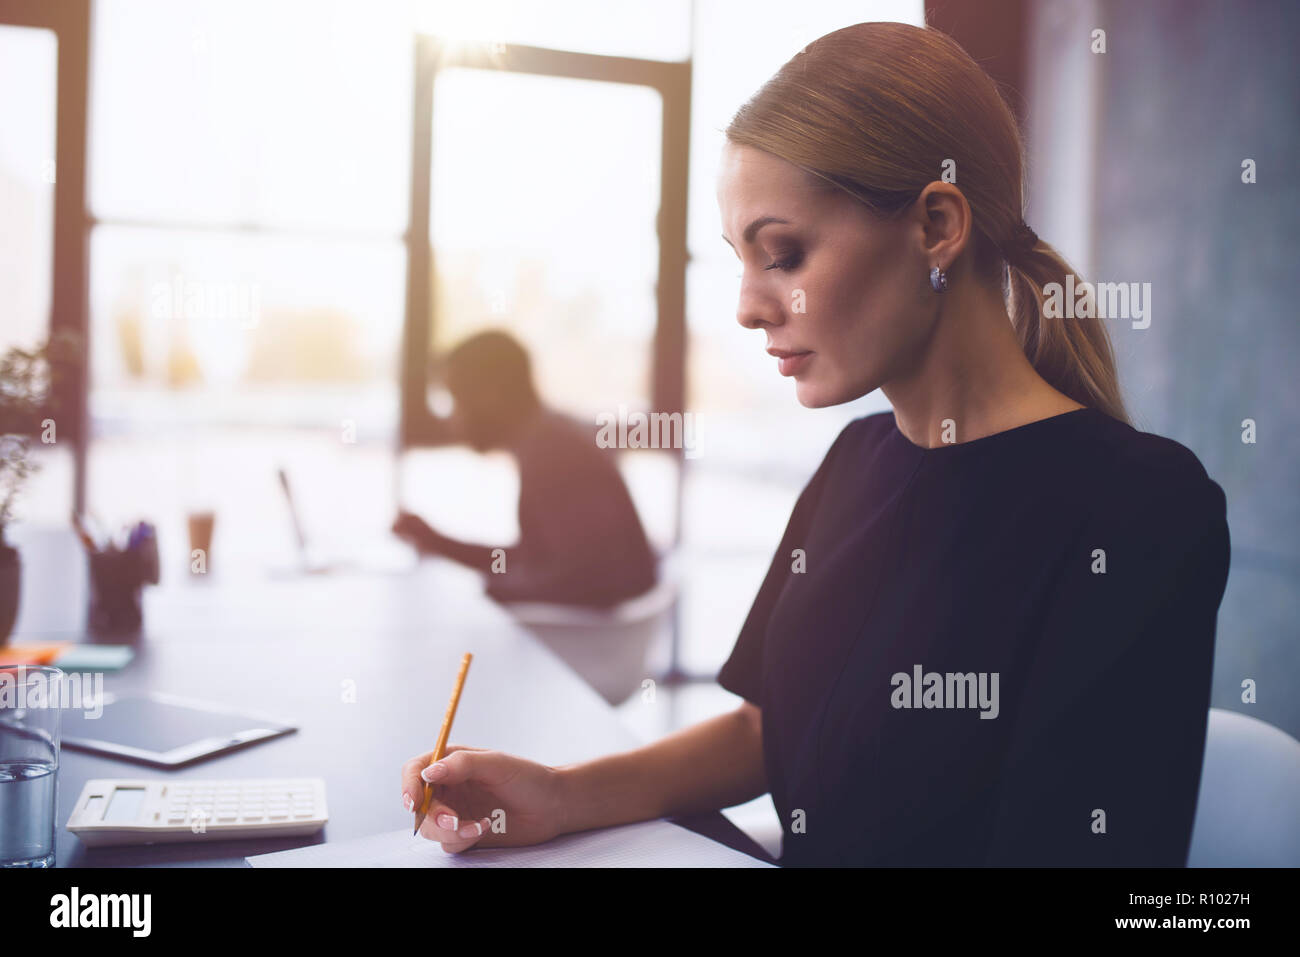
(252, 817)
(227, 815)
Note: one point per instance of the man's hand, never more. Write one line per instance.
(411, 528)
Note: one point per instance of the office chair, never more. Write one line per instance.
(1248, 814)
(607, 648)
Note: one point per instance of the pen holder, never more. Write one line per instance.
(116, 578)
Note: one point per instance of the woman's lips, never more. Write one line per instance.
(790, 363)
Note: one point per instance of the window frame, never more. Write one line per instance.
(69, 21)
(419, 426)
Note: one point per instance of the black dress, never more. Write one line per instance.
(996, 652)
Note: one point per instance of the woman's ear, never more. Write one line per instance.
(945, 217)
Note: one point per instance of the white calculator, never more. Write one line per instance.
(149, 811)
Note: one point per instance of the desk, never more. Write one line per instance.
(287, 647)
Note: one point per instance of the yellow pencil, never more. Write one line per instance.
(441, 746)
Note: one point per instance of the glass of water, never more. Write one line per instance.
(30, 703)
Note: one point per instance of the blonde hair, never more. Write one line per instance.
(876, 110)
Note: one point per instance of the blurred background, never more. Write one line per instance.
(266, 218)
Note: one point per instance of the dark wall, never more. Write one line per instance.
(1135, 173)
(993, 33)
(1187, 91)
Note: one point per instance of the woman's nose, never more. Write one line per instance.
(755, 310)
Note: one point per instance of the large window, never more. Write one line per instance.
(28, 60)
(248, 198)
(249, 180)
(248, 185)
(28, 171)
(545, 192)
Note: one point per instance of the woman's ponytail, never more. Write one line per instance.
(1073, 355)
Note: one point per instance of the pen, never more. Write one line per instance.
(442, 738)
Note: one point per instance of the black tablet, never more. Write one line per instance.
(163, 730)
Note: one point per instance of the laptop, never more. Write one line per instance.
(386, 554)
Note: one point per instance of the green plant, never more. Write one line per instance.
(30, 382)
(15, 467)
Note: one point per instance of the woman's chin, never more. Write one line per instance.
(819, 395)
(813, 395)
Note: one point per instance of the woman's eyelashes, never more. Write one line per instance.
(787, 262)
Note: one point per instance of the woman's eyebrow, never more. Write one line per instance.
(752, 229)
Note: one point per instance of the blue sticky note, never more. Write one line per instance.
(95, 658)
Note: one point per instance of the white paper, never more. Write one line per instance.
(647, 844)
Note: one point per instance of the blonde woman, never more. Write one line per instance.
(987, 635)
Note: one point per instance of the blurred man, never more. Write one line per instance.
(580, 540)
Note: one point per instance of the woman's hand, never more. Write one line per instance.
(484, 798)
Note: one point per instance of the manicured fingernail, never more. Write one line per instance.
(448, 822)
(471, 830)
(408, 802)
(434, 771)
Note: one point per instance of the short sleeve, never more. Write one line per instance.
(742, 673)
(1110, 729)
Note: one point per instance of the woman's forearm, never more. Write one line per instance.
(714, 764)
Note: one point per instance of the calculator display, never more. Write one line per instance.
(124, 806)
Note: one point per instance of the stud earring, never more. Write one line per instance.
(938, 279)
